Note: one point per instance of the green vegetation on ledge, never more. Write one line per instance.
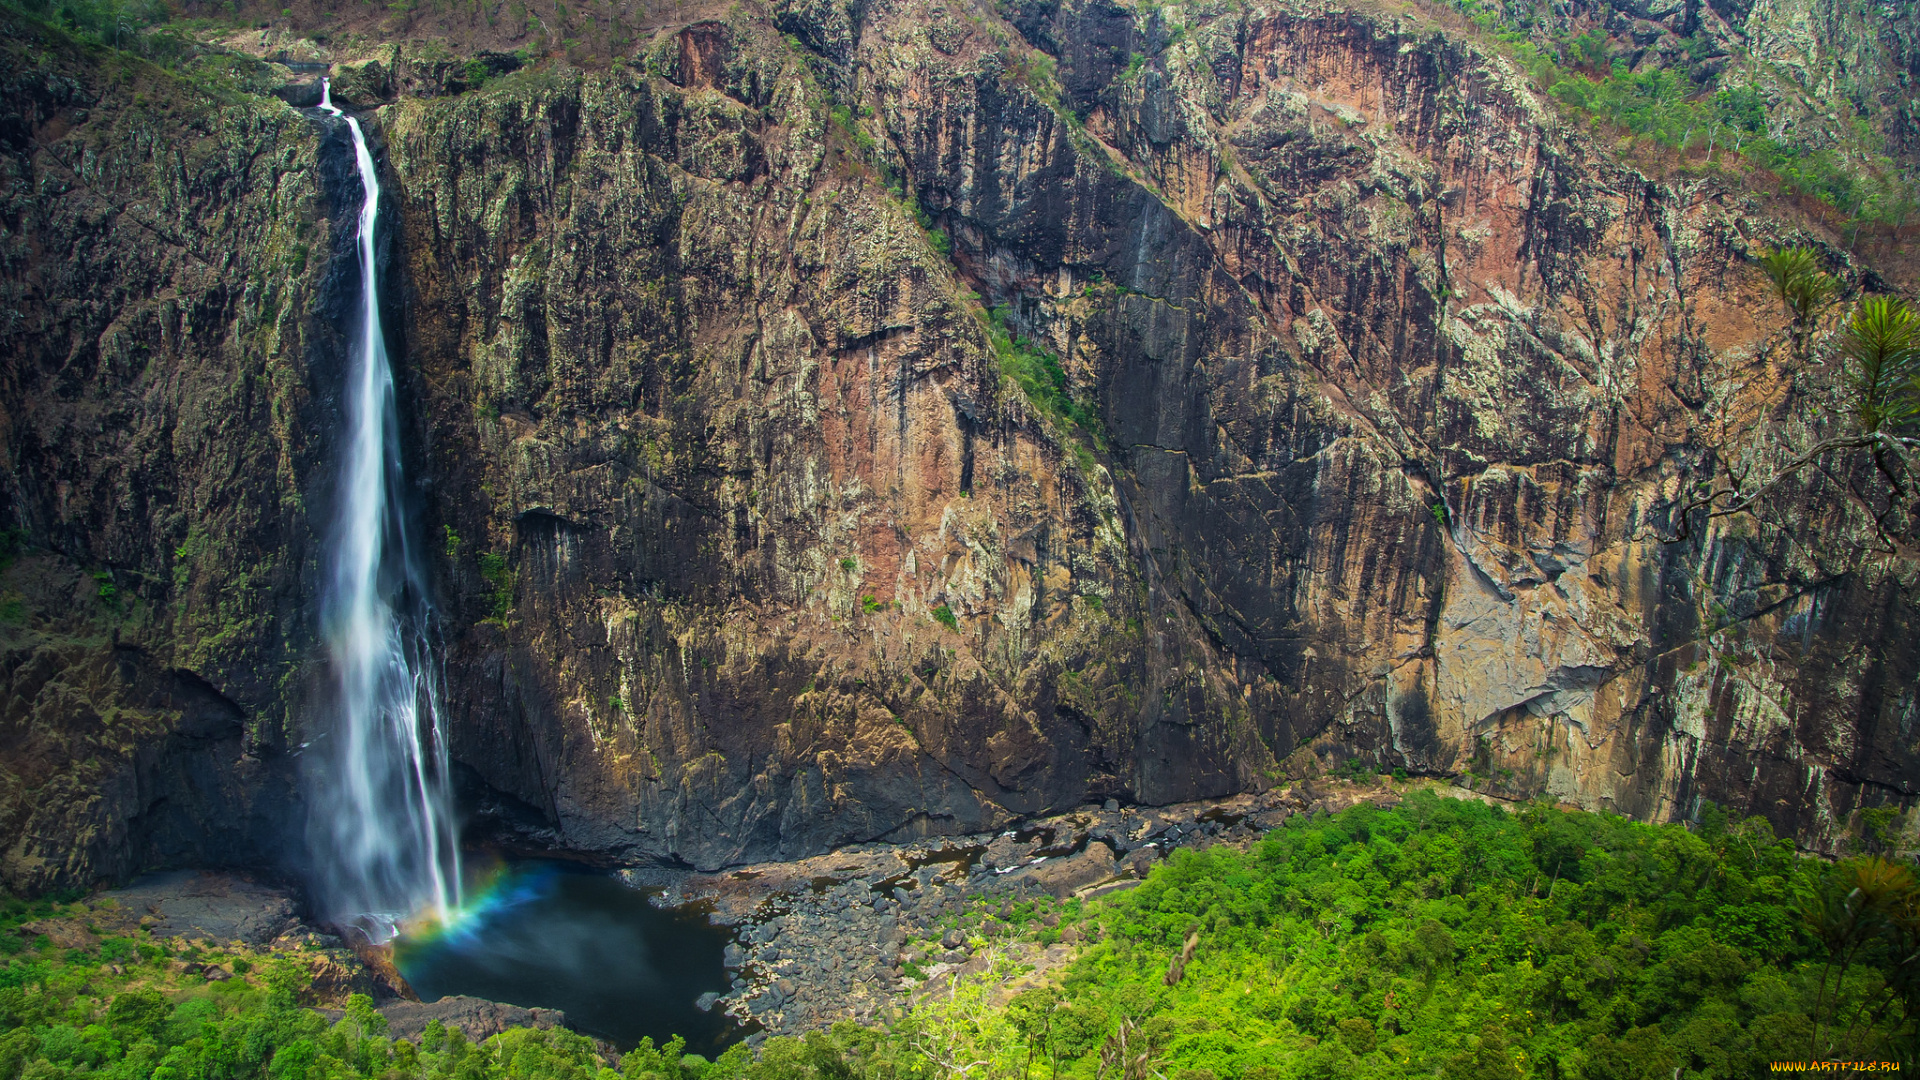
(1720, 119)
(119, 24)
(1038, 373)
(499, 576)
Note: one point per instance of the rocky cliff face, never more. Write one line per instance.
(854, 423)
(164, 259)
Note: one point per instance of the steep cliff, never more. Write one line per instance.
(164, 260)
(849, 423)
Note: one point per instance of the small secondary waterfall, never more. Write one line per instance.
(383, 826)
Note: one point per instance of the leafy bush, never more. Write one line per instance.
(1800, 281)
(499, 577)
(843, 119)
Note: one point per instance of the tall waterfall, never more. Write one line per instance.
(383, 824)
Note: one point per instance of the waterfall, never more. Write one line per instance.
(383, 826)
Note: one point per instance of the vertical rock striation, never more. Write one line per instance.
(1375, 387)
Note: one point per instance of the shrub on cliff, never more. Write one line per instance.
(1686, 99)
(1039, 375)
(1881, 346)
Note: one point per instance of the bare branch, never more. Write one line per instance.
(1734, 498)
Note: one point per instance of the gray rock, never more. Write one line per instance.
(1062, 877)
(1141, 861)
(299, 95)
(222, 907)
(478, 1018)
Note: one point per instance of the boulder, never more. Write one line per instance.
(478, 1018)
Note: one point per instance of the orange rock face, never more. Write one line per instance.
(871, 428)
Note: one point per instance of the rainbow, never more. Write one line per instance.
(493, 891)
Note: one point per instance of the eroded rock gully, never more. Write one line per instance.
(1389, 376)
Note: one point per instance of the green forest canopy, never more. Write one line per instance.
(1437, 938)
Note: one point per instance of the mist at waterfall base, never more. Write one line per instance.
(553, 935)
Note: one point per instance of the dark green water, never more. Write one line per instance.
(553, 935)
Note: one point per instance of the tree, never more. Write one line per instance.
(1799, 281)
(1878, 918)
(1640, 1054)
(1802, 284)
(1879, 343)
(961, 1035)
(1487, 1059)
(1871, 902)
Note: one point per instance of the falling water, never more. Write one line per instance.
(383, 821)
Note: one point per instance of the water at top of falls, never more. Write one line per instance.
(385, 835)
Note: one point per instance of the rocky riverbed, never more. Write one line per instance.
(859, 934)
(863, 932)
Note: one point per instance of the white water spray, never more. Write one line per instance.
(383, 821)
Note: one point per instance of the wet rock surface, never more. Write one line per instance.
(863, 932)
